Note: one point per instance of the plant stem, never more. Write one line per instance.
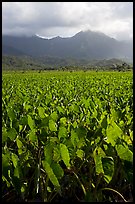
(110, 189)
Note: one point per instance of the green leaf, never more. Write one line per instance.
(50, 174)
(15, 159)
(19, 143)
(4, 134)
(32, 135)
(23, 120)
(54, 116)
(124, 153)
(41, 112)
(12, 133)
(104, 122)
(80, 153)
(31, 122)
(11, 114)
(65, 155)
(5, 165)
(62, 132)
(108, 167)
(58, 171)
(74, 138)
(63, 121)
(56, 154)
(48, 152)
(98, 164)
(52, 126)
(98, 154)
(113, 133)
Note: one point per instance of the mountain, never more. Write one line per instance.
(84, 45)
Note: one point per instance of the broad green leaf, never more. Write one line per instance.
(19, 143)
(23, 120)
(98, 154)
(58, 171)
(104, 122)
(74, 124)
(41, 112)
(16, 172)
(32, 135)
(108, 167)
(48, 152)
(81, 132)
(52, 126)
(11, 114)
(4, 134)
(124, 153)
(54, 116)
(98, 164)
(50, 174)
(31, 122)
(12, 133)
(5, 165)
(56, 154)
(65, 155)
(113, 133)
(74, 138)
(62, 132)
(80, 153)
(15, 159)
(63, 121)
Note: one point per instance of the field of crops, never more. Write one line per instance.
(67, 136)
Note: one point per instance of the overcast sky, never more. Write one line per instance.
(65, 19)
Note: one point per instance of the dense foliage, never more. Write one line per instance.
(56, 63)
(67, 136)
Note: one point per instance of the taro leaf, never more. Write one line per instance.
(48, 152)
(56, 154)
(74, 138)
(124, 153)
(54, 116)
(12, 133)
(80, 153)
(98, 154)
(74, 124)
(11, 114)
(23, 120)
(32, 135)
(65, 155)
(113, 133)
(18, 172)
(50, 174)
(81, 132)
(58, 171)
(19, 143)
(76, 108)
(15, 159)
(98, 164)
(41, 112)
(63, 121)
(52, 126)
(104, 122)
(62, 132)
(31, 122)
(108, 167)
(5, 165)
(4, 134)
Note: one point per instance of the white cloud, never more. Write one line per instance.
(67, 18)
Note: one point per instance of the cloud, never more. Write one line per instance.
(67, 18)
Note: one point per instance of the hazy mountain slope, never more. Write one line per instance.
(83, 45)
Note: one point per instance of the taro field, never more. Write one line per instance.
(67, 136)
